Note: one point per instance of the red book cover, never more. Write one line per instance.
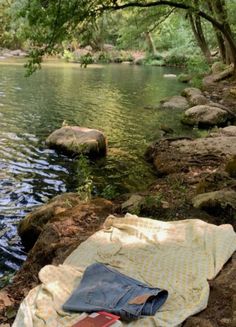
(98, 319)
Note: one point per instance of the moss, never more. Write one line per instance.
(202, 187)
(184, 78)
(231, 167)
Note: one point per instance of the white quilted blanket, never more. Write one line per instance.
(179, 256)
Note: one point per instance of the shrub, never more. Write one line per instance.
(86, 59)
(109, 192)
(85, 180)
(173, 59)
(198, 68)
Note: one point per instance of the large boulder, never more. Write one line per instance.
(64, 209)
(216, 203)
(77, 140)
(181, 155)
(204, 116)
(32, 225)
(194, 96)
(176, 102)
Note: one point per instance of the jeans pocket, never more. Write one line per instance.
(108, 298)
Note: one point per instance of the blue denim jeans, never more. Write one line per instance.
(105, 289)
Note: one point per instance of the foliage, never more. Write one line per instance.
(6, 279)
(109, 192)
(46, 25)
(69, 56)
(175, 59)
(85, 180)
(86, 60)
(198, 68)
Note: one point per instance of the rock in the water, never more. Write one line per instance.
(169, 75)
(174, 156)
(176, 102)
(139, 61)
(217, 202)
(194, 96)
(184, 78)
(75, 139)
(66, 210)
(205, 116)
(32, 225)
(64, 232)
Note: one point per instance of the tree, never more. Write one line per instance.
(52, 21)
(195, 22)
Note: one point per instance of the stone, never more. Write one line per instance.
(176, 102)
(205, 116)
(198, 100)
(32, 225)
(78, 140)
(169, 75)
(139, 60)
(227, 131)
(66, 230)
(184, 78)
(194, 96)
(133, 203)
(216, 202)
(182, 154)
(190, 91)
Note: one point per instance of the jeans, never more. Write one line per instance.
(105, 289)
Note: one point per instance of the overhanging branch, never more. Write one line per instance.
(174, 4)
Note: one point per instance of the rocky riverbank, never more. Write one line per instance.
(195, 179)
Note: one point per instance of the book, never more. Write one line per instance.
(99, 319)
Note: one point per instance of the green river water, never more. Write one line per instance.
(111, 98)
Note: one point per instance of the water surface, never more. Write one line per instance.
(111, 98)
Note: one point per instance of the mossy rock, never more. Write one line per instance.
(184, 78)
(231, 167)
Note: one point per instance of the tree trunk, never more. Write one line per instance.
(150, 43)
(221, 45)
(219, 8)
(195, 22)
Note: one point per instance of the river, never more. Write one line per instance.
(112, 98)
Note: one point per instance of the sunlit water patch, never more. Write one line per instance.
(111, 98)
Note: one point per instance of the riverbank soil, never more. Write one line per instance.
(195, 179)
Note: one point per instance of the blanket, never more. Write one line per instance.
(179, 256)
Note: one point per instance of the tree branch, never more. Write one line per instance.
(161, 21)
(164, 3)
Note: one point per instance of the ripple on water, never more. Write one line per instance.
(109, 98)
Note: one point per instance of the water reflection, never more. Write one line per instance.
(109, 98)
